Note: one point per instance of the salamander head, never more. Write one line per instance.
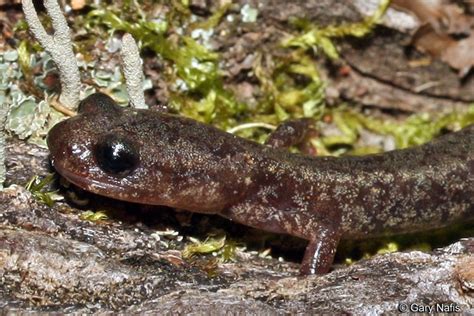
(144, 156)
(93, 152)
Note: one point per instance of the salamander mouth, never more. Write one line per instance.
(81, 181)
(86, 183)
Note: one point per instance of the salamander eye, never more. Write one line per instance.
(116, 155)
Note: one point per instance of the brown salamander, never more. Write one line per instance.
(162, 159)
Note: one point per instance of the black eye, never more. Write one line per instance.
(116, 155)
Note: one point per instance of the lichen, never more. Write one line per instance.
(59, 46)
(133, 71)
(26, 117)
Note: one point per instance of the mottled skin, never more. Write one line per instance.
(189, 165)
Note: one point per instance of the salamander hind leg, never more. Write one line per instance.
(319, 254)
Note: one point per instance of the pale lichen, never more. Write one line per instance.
(133, 71)
(59, 46)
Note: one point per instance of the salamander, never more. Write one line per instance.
(157, 158)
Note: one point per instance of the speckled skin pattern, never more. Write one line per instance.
(189, 165)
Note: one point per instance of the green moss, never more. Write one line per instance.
(419, 128)
(320, 38)
(349, 251)
(38, 187)
(213, 21)
(290, 85)
(196, 85)
(24, 59)
(209, 245)
(197, 89)
(94, 216)
(415, 130)
(223, 249)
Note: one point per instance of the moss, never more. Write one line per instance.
(192, 72)
(415, 130)
(291, 89)
(94, 216)
(319, 38)
(290, 84)
(38, 187)
(210, 245)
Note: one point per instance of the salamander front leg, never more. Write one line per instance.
(291, 133)
(320, 252)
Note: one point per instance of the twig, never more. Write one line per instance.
(133, 71)
(60, 108)
(240, 127)
(59, 46)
